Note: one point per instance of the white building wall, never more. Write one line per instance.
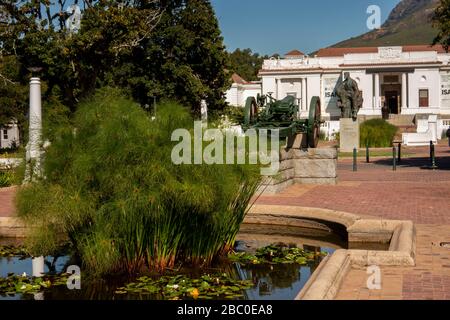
(269, 85)
(313, 87)
(9, 136)
(232, 95)
(291, 87)
(252, 91)
(424, 79)
(238, 93)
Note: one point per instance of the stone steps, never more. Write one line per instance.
(404, 129)
(401, 120)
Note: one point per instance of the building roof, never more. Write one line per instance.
(337, 52)
(294, 53)
(238, 79)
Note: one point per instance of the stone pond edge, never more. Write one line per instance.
(326, 281)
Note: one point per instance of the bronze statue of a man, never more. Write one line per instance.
(349, 97)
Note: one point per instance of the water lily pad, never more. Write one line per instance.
(183, 287)
(276, 254)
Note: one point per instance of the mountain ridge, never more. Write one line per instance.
(409, 23)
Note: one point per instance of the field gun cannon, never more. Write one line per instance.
(267, 113)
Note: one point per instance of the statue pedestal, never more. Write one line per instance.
(349, 135)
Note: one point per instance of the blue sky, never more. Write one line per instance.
(277, 26)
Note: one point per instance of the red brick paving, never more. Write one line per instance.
(7, 208)
(410, 193)
(426, 286)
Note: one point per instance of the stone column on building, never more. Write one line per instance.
(404, 91)
(278, 85)
(304, 97)
(377, 92)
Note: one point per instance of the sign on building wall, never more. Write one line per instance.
(329, 87)
(445, 90)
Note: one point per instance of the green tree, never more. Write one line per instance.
(184, 59)
(75, 63)
(441, 21)
(156, 49)
(13, 94)
(246, 63)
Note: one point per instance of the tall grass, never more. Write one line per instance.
(377, 133)
(6, 178)
(113, 191)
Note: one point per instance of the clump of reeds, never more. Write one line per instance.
(111, 188)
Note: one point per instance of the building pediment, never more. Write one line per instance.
(390, 52)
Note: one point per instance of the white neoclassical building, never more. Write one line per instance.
(241, 89)
(9, 135)
(406, 80)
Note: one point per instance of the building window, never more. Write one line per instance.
(5, 134)
(423, 98)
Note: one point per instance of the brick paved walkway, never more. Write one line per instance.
(410, 193)
(428, 280)
(7, 208)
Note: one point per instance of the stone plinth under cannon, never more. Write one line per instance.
(300, 160)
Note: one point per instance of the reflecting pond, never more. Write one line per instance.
(270, 282)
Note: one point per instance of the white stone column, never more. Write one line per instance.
(404, 91)
(304, 97)
(377, 92)
(278, 93)
(35, 126)
(33, 155)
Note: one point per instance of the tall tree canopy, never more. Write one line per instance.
(246, 63)
(154, 48)
(441, 21)
(13, 94)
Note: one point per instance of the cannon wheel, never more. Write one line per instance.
(251, 111)
(314, 120)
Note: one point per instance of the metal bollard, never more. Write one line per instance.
(355, 156)
(367, 153)
(394, 158)
(399, 152)
(431, 151)
(433, 156)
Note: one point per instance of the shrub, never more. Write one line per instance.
(6, 178)
(377, 133)
(113, 191)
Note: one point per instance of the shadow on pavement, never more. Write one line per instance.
(443, 163)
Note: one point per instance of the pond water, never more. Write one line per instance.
(271, 282)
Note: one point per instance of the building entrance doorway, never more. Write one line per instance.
(391, 98)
